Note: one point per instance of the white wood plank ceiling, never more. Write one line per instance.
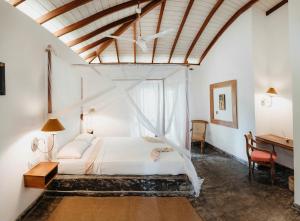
(123, 51)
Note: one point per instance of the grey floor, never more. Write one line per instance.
(226, 193)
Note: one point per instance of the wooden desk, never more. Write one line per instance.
(275, 140)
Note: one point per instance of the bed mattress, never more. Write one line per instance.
(126, 156)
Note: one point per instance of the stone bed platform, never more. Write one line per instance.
(98, 185)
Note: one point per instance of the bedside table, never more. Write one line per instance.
(40, 175)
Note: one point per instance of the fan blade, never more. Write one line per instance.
(157, 35)
(142, 45)
(121, 38)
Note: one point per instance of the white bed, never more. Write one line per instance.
(124, 156)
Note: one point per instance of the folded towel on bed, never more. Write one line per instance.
(155, 153)
(152, 139)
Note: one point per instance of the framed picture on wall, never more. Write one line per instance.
(223, 103)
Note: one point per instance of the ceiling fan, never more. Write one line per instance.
(142, 41)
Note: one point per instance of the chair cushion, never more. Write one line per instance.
(262, 156)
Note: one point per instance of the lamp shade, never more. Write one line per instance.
(52, 125)
(272, 91)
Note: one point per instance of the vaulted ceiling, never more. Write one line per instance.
(84, 24)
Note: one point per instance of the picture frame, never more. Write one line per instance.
(223, 103)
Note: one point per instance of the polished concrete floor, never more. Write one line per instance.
(226, 193)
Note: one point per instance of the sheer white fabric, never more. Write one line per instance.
(149, 108)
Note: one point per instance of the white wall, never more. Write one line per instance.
(294, 36)
(229, 59)
(272, 69)
(23, 109)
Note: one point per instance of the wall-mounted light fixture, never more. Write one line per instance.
(268, 100)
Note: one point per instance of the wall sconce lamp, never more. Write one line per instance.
(271, 91)
(52, 126)
(267, 101)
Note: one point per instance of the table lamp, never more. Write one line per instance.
(52, 126)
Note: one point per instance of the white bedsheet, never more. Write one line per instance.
(127, 156)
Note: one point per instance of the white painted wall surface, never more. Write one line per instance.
(294, 36)
(23, 109)
(229, 59)
(272, 69)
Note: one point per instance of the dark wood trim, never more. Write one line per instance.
(277, 6)
(92, 45)
(117, 50)
(156, 63)
(134, 44)
(61, 10)
(202, 28)
(161, 13)
(96, 16)
(233, 85)
(124, 27)
(100, 30)
(186, 13)
(227, 24)
(15, 3)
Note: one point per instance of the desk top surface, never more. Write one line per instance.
(276, 140)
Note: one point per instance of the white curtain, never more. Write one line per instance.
(148, 99)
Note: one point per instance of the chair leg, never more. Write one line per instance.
(253, 165)
(202, 147)
(249, 169)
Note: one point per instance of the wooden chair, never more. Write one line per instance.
(198, 132)
(259, 156)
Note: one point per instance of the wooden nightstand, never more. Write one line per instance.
(40, 175)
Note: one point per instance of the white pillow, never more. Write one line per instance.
(73, 150)
(85, 137)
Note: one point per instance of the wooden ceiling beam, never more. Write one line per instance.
(117, 50)
(96, 16)
(100, 30)
(92, 45)
(15, 3)
(61, 10)
(202, 28)
(145, 10)
(277, 6)
(134, 44)
(186, 13)
(227, 24)
(161, 13)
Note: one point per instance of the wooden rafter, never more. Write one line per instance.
(61, 10)
(15, 3)
(277, 6)
(227, 24)
(117, 50)
(92, 45)
(124, 27)
(100, 30)
(134, 44)
(96, 16)
(202, 28)
(186, 13)
(161, 13)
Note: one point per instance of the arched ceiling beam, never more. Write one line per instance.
(202, 28)
(117, 50)
(187, 11)
(161, 13)
(277, 6)
(124, 27)
(15, 3)
(134, 44)
(227, 24)
(96, 16)
(61, 10)
(100, 30)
